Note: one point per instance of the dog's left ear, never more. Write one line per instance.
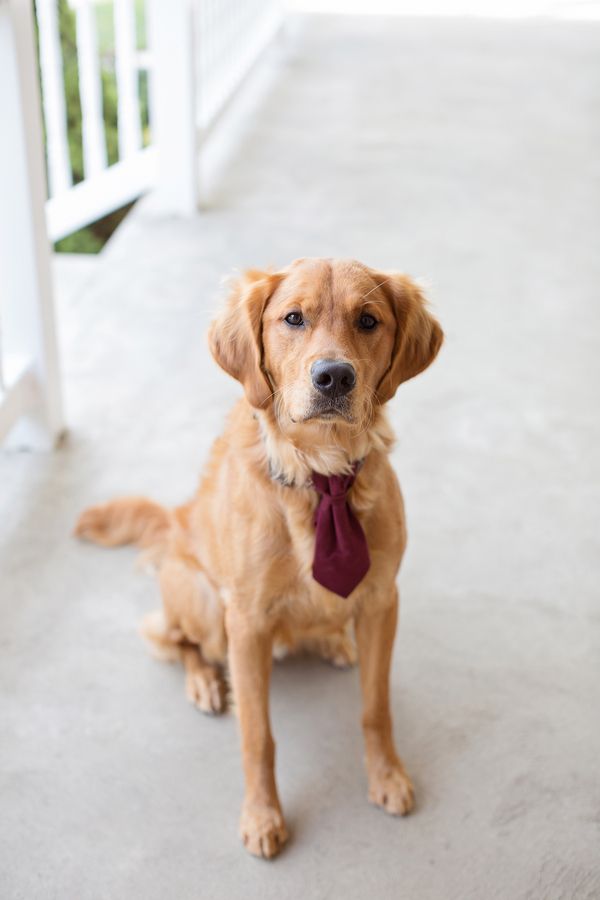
(235, 337)
(419, 335)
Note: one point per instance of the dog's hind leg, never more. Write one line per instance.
(337, 648)
(191, 628)
(165, 642)
(204, 683)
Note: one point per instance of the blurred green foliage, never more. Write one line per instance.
(92, 238)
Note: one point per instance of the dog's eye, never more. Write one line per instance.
(295, 319)
(366, 322)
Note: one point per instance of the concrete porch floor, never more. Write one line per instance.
(465, 152)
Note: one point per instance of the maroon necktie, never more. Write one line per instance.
(341, 557)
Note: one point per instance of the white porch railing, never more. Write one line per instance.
(207, 48)
(29, 376)
(104, 188)
(200, 51)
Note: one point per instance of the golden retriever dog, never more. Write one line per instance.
(295, 535)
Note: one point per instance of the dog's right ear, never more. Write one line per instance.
(235, 337)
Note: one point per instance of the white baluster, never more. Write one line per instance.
(90, 90)
(53, 87)
(130, 130)
(173, 94)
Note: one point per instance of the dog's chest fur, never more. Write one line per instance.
(254, 536)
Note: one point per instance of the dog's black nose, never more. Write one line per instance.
(333, 378)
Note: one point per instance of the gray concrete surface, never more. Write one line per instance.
(464, 152)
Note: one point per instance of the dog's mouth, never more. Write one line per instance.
(329, 411)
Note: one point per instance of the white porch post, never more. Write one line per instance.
(173, 105)
(29, 357)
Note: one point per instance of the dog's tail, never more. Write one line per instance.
(128, 520)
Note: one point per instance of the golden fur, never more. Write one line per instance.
(234, 563)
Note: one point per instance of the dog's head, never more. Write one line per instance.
(324, 341)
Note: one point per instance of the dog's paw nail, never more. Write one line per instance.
(263, 832)
(206, 692)
(393, 791)
(217, 700)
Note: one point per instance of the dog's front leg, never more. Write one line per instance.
(389, 785)
(250, 655)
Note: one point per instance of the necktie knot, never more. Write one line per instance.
(335, 498)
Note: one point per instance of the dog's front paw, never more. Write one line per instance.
(391, 789)
(263, 830)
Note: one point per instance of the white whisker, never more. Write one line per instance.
(381, 283)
